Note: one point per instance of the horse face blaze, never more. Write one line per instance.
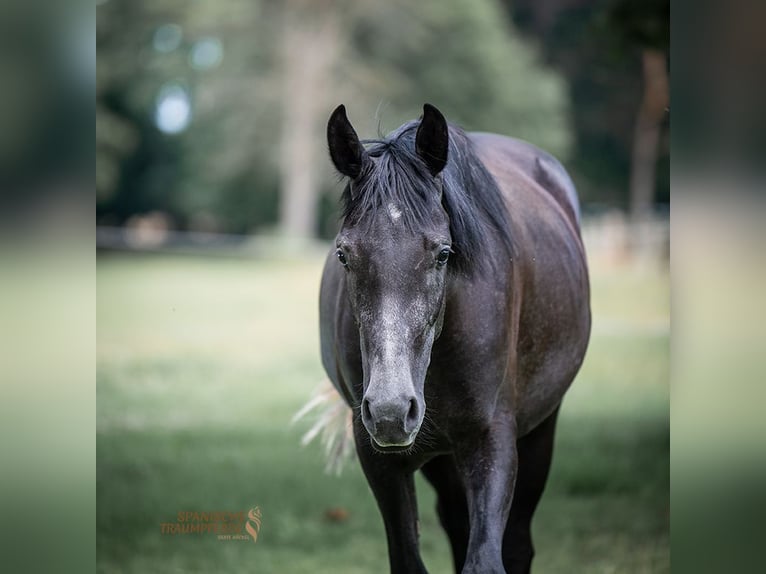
(396, 285)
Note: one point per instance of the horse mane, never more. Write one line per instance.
(470, 195)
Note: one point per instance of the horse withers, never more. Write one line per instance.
(454, 314)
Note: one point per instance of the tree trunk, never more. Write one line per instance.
(646, 137)
(309, 47)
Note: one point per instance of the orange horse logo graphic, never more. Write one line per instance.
(253, 525)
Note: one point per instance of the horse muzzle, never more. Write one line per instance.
(392, 424)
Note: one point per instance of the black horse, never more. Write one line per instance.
(454, 314)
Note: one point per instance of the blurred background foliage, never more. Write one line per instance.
(210, 115)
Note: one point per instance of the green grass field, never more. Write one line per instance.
(202, 362)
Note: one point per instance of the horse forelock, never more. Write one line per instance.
(398, 177)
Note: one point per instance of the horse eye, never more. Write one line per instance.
(441, 259)
(341, 257)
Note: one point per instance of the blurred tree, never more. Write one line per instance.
(217, 172)
(647, 132)
(214, 113)
(309, 48)
(614, 56)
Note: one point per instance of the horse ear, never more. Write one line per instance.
(347, 153)
(432, 139)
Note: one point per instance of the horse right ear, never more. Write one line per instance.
(347, 153)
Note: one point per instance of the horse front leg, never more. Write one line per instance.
(392, 482)
(488, 464)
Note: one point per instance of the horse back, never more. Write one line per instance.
(540, 166)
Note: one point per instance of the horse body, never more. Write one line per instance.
(553, 318)
(505, 344)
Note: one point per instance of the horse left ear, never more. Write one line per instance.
(432, 139)
(347, 153)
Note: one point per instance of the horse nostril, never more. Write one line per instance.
(412, 413)
(366, 414)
